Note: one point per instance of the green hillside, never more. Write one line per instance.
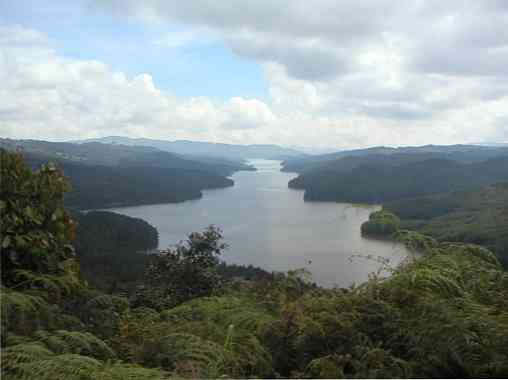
(479, 217)
(348, 158)
(441, 314)
(117, 155)
(105, 176)
(380, 181)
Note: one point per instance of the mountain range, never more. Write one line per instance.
(208, 149)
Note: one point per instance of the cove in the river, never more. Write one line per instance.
(266, 224)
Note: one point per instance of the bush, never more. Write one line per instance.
(381, 223)
(183, 273)
(36, 229)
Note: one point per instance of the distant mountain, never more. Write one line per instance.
(95, 153)
(494, 144)
(378, 180)
(459, 153)
(200, 149)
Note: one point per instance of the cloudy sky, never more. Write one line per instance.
(321, 73)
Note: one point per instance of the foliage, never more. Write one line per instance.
(24, 313)
(128, 177)
(185, 272)
(205, 337)
(112, 249)
(36, 229)
(103, 313)
(73, 342)
(122, 154)
(348, 159)
(415, 241)
(479, 217)
(379, 180)
(381, 223)
(440, 314)
(247, 272)
(72, 367)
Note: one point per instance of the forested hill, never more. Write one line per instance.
(112, 248)
(96, 186)
(200, 148)
(378, 179)
(105, 176)
(116, 155)
(459, 153)
(479, 216)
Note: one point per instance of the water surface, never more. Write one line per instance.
(266, 224)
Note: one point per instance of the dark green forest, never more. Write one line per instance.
(104, 176)
(381, 224)
(479, 216)
(452, 193)
(441, 313)
(112, 249)
(346, 160)
(380, 181)
(103, 186)
(118, 155)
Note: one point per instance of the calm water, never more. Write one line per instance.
(270, 226)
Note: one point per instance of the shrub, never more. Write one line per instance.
(381, 223)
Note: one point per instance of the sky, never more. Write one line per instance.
(319, 75)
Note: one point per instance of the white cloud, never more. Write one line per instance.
(329, 85)
(45, 95)
(247, 114)
(369, 57)
(183, 38)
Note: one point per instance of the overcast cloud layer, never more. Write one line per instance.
(340, 73)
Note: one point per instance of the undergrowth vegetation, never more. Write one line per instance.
(441, 314)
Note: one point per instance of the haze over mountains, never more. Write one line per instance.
(107, 175)
(460, 152)
(198, 148)
(115, 171)
(95, 153)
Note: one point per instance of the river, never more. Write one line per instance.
(266, 224)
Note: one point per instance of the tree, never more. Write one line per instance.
(36, 231)
(185, 272)
(381, 223)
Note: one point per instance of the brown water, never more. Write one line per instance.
(266, 224)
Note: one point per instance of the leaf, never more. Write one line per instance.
(30, 212)
(6, 242)
(20, 241)
(57, 214)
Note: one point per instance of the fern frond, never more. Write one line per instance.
(188, 354)
(23, 313)
(62, 367)
(53, 287)
(72, 342)
(23, 353)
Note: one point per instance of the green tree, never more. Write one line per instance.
(381, 223)
(185, 272)
(36, 231)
